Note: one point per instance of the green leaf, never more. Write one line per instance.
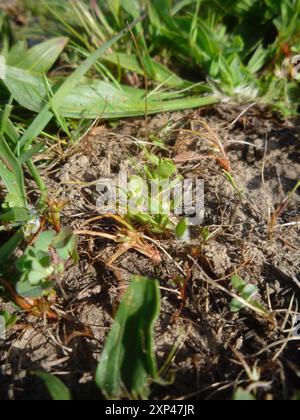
(128, 356)
(10, 130)
(39, 58)
(37, 275)
(182, 228)
(29, 154)
(10, 319)
(4, 120)
(166, 169)
(56, 388)
(93, 98)
(132, 7)
(39, 265)
(27, 290)
(247, 292)
(258, 59)
(11, 173)
(238, 283)
(66, 245)
(233, 183)
(44, 241)
(11, 245)
(236, 306)
(17, 52)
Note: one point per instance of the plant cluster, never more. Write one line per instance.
(241, 49)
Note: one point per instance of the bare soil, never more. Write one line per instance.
(213, 344)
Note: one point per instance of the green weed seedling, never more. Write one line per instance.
(42, 263)
(247, 292)
(161, 175)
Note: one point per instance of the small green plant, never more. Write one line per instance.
(42, 263)
(29, 281)
(247, 292)
(151, 197)
(34, 273)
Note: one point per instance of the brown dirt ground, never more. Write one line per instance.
(213, 344)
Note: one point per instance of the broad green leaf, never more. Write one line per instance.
(128, 357)
(39, 58)
(236, 306)
(27, 290)
(17, 52)
(37, 275)
(11, 172)
(94, 98)
(249, 292)
(44, 240)
(56, 388)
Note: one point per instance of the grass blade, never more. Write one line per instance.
(162, 73)
(11, 245)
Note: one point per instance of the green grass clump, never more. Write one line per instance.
(241, 49)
